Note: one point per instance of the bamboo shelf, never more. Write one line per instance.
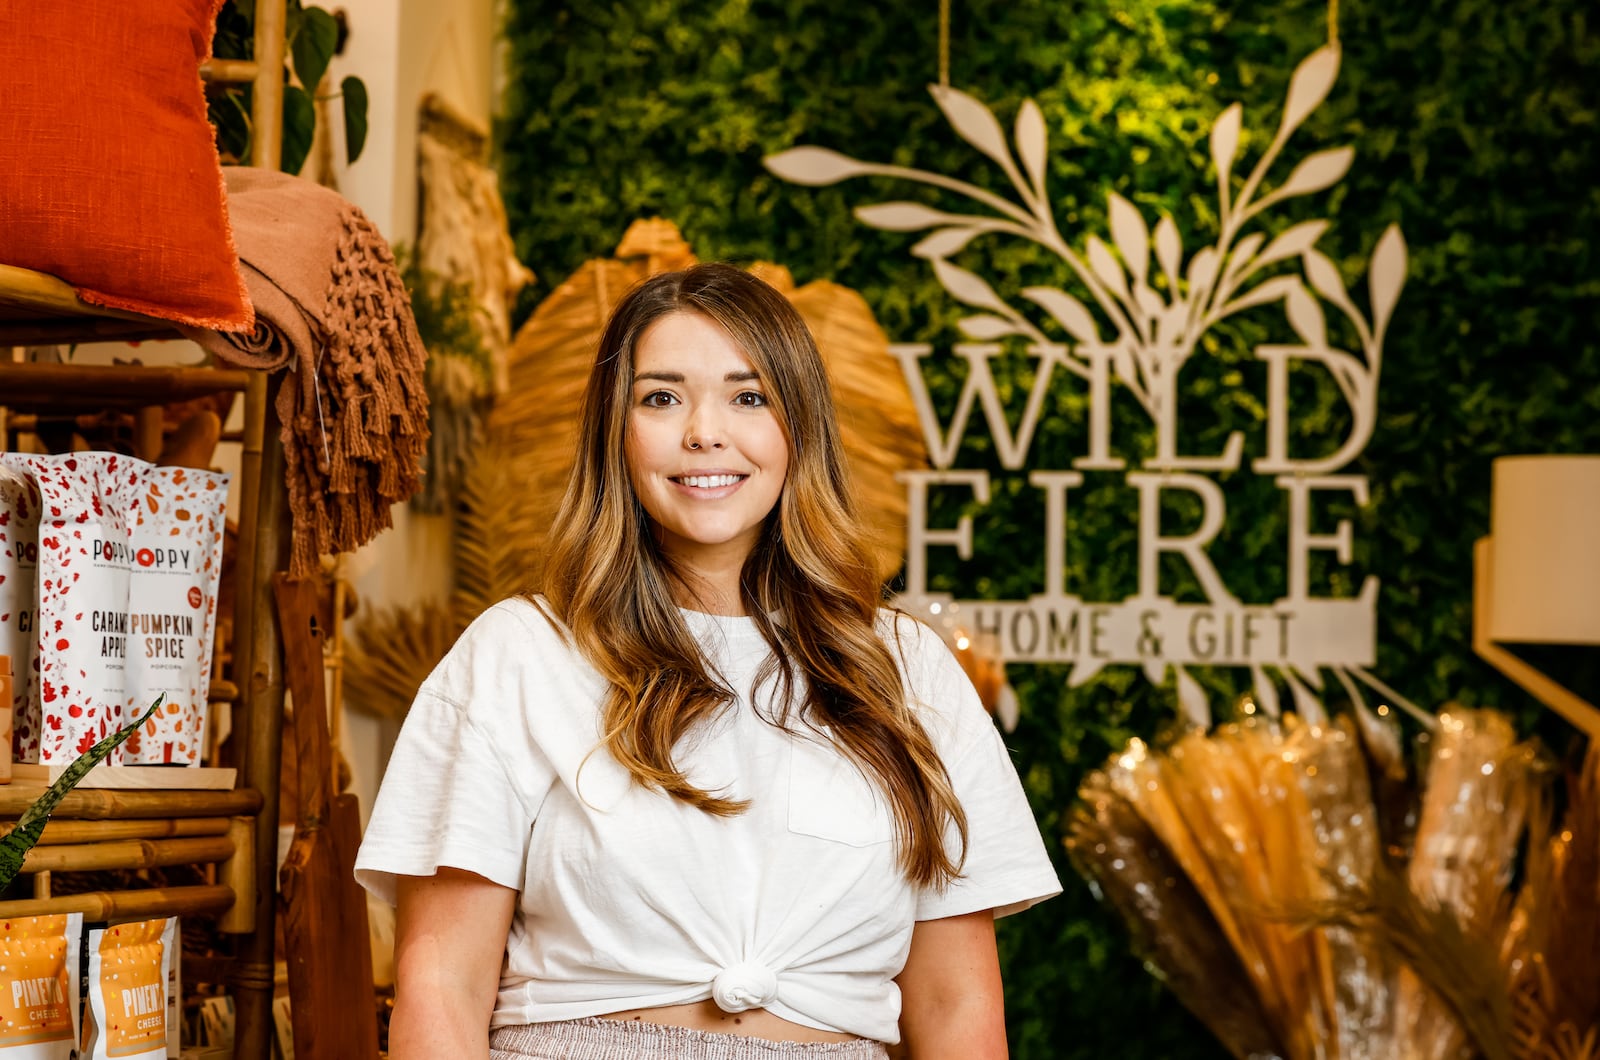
(73, 387)
(128, 905)
(128, 854)
(100, 804)
(233, 830)
(38, 309)
(58, 831)
(103, 830)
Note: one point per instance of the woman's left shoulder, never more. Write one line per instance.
(937, 688)
(914, 644)
(909, 641)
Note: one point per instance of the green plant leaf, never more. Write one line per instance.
(313, 45)
(354, 91)
(299, 125)
(16, 844)
(292, 14)
(232, 121)
(233, 38)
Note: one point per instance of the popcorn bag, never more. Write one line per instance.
(19, 593)
(7, 680)
(83, 603)
(177, 525)
(172, 939)
(39, 987)
(125, 1017)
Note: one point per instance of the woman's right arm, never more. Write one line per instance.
(450, 942)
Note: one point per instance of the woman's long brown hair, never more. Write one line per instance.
(618, 593)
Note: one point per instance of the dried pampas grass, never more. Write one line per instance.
(1174, 924)
(1252, 862)
(1556, 925)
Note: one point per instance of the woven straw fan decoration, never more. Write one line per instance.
(535, 423)
(393, 649)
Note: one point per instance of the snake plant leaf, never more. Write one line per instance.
(354, 92)
(16, 844)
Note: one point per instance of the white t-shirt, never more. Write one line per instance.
(631, 899)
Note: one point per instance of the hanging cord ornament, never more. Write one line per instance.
(944, 43)
(1333, 22)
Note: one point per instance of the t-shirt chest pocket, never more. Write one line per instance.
(829, 798)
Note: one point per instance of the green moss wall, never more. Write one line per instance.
(1474, 124)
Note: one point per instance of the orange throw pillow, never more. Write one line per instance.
(109, 177)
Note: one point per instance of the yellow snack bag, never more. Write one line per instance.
(126, 1014)
(39, 987)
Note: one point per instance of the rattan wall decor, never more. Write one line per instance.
(393, 649)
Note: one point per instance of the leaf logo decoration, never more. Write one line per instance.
(1157, 310)
(1144, 305)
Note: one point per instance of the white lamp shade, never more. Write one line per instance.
(1545, 544)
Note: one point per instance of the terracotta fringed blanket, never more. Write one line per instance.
(331, 307)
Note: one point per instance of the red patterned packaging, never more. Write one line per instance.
(176, 517)
(19, 593)
(84, 549)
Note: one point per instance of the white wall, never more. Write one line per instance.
(403, 50)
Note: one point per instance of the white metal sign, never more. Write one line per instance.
(1151, 303)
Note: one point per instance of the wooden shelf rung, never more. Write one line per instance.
(103, 830)
(229, 71)
(100, 803)
(126, 905)
(71, 331)
(128, 854)
(39, 294)
(100, 385)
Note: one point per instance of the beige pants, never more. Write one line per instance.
(602, 1039)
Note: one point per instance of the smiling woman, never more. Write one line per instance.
(706, 456)
(703, 797)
